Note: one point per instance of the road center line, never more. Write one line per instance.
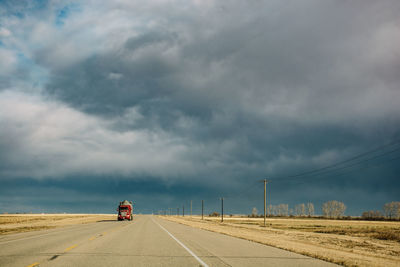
(33, 264)
(180, 243)
(71, 247)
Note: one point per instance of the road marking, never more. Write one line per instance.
(33, 264)
(71, 247)
(180, 243)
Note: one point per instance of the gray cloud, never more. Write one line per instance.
(258, 64)
(230, 91)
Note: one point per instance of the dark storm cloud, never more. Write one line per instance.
(312, 62)
(206, 93)
(248, 76)
(64, 195)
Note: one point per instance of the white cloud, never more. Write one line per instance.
(4, 32)
(8, 61)
(114, 76)
(50, 139)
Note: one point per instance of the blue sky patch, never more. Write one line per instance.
(64, 13)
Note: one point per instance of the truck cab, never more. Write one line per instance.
(125, 210)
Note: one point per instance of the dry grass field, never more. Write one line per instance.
(15, 223)
(349, 243)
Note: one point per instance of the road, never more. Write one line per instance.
(145, 241)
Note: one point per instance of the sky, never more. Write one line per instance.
(166, 102)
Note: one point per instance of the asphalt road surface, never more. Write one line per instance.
(145, 241)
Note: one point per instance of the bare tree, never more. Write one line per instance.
(275, 210)
(397, 210)
(283, 209)
(310, 209)
(333, 209)
(300, 209)
(269, 210)
(392, 210)
(297, 210)
(291, 212)
(254, 212)
(372, 214)
(279, 210)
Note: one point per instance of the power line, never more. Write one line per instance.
(327, 172)
(242, 192)
(304, 180)
(341, 165)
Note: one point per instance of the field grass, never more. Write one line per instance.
(349, 243)
(16, 223)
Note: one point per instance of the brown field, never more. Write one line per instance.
(16, 223)
(349, 243)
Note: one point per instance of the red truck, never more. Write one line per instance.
(125, 210)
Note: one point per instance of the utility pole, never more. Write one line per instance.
(190, 208)
(265, 200)
(222, 209)
(183, 210)
(202, 209)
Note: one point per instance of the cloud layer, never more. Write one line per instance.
(201, 92)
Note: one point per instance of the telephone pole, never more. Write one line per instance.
(265, 200)
(202, 209)
(222, 209)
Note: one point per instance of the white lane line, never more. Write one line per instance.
(180, 243)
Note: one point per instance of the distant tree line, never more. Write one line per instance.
(331, 209)
(391, 211)
(299, 210)
(214, 214)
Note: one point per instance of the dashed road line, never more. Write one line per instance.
(67, 249)
(33, 264)
(71, 247)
